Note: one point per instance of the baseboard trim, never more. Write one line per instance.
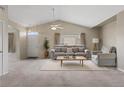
(122, 70)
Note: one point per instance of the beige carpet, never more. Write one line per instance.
(70, 65)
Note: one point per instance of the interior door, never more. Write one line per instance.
(1, 47)
(33, 44)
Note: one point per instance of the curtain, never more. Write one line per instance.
(83, 40)
(57, 38)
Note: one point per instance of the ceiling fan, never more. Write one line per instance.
(55, 26)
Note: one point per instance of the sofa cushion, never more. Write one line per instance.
(69, 50)
(64, 49)
(81, 49)
(80, 54)
(70, 54)
(58, 49)
(75, 50)
(60, 53)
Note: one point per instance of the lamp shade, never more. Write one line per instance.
(95, 40)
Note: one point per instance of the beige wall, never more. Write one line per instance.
(23, 44)
(108, 34)
(69, 29)
(22, 39)
(120, 40)
(113, 35)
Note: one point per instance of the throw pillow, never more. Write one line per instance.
(63, 49)
(75, 50)
(57, 49)
(69, 50)
(81, 49)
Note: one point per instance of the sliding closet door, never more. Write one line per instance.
(1, 48)
(33, 44)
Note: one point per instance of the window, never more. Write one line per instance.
(70, 39)
(32, 33)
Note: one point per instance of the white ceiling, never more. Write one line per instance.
(89, 16)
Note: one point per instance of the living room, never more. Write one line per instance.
(61, 42)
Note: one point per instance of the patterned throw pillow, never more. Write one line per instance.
(75, 50)
(69, 50)
(63, 49)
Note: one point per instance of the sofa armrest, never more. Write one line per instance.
(86, 50)
(52, 50)
(52, 54)
(88, 53)
(106, 55)
(107, 59)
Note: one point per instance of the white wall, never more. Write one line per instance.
(3, 17)
(5, 49)
(22, 39)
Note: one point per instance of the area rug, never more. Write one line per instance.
(71, 65)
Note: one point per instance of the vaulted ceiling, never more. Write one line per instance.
(86, 15)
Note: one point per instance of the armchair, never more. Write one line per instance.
(104, 59)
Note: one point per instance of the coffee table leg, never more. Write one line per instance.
(61, 63)
(82, 63)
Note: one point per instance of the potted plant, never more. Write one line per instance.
(46, 47)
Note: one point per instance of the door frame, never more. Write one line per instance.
(1, 21)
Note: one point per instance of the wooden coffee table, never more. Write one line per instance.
(71, 58)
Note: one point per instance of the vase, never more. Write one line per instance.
(46, 53)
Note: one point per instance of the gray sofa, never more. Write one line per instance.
(69, 51)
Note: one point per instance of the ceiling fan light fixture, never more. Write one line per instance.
(53, 28)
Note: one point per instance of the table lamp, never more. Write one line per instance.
(95, 41)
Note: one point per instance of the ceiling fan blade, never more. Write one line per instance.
(53, 28)
(52, 25)
(56, 25)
